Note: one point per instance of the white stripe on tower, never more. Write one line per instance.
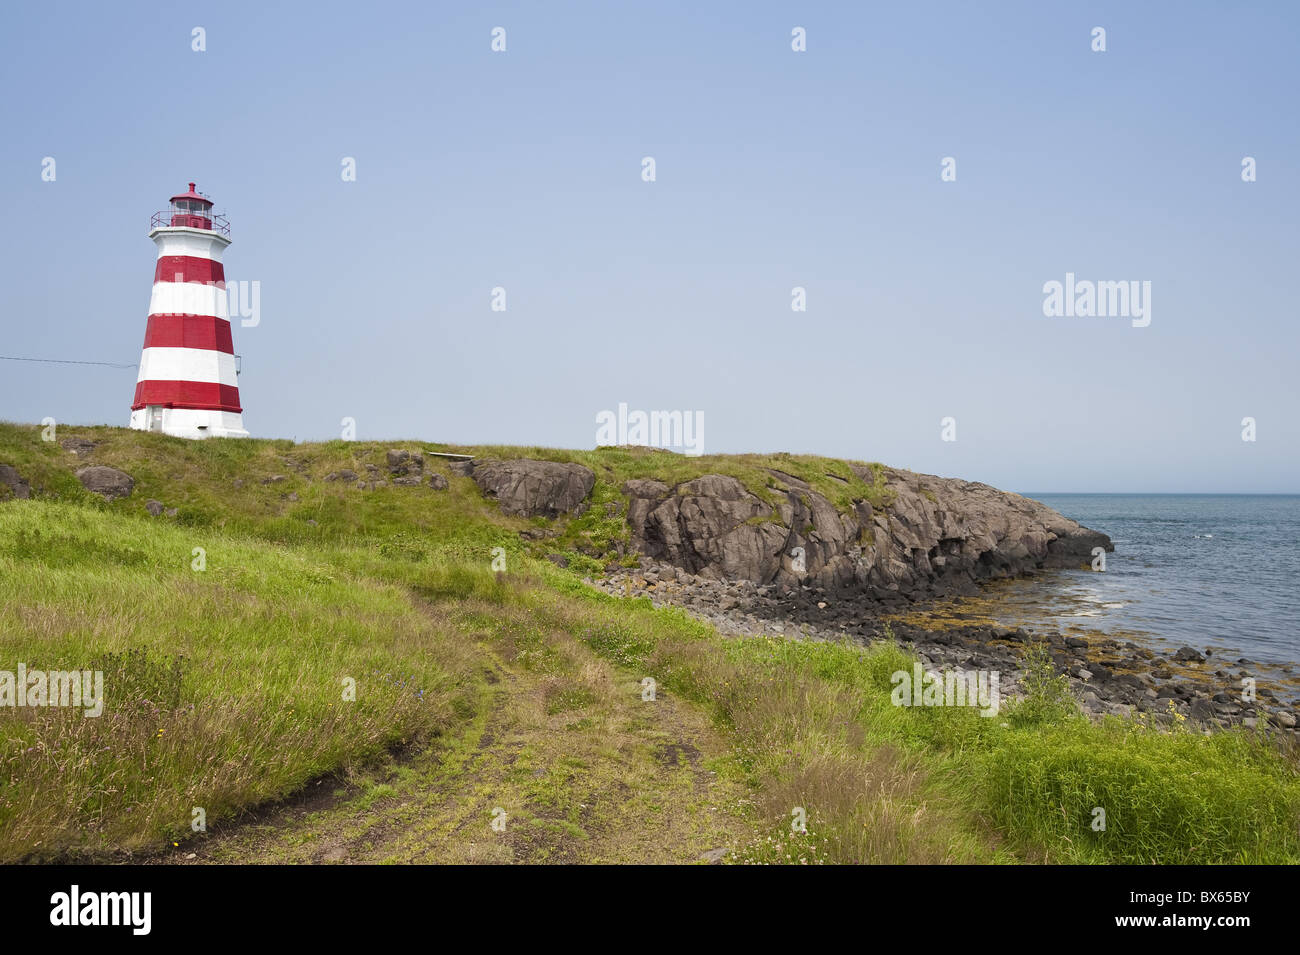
(187, 364)
(199, 246)
(189, 298)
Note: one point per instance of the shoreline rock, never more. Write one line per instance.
(1107, 676)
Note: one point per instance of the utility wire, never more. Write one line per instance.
(64, 361)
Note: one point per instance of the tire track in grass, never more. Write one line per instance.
(585, 770)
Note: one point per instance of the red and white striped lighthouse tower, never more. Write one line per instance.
(187, 384)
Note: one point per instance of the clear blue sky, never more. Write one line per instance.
(775, 169)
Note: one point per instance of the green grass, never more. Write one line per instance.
(1169, 796)
(224, 685)
(219, 484)
(258, 645)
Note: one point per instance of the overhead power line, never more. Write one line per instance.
(67, 361)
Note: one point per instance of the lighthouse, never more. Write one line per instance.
(187, 383)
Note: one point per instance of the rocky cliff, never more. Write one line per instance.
(934, 535)
(930, 535)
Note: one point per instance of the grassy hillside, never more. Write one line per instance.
(219, 484)
(518, 691)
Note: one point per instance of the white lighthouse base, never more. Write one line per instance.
(189, 422)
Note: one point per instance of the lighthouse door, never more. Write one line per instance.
(155, 418)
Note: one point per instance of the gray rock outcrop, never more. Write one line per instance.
(15, 482)
(109, 483)
(935, 535)
(530, 488)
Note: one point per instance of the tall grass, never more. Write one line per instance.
(254, 650)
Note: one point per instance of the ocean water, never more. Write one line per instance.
(1216, 570)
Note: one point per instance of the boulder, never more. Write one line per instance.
(534, 488)
(406, 464)
(403, 462)
(153, 507)
(109, 483)
(15, 482)
(438, 482)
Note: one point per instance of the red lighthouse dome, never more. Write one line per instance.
(187, 385)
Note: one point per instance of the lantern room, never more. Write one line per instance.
(189, 209)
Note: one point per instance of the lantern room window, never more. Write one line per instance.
(191, 213)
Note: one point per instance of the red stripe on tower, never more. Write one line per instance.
(189, 268)
(194, 395)
(187, 383)
(189, 331)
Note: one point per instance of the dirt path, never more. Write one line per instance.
(584, 770)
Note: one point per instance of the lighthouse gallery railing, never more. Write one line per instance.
(167, 220)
